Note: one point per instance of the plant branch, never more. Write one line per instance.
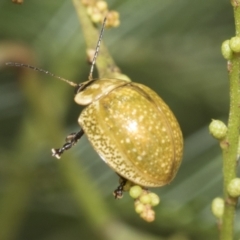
(105, 63)
(230, 153)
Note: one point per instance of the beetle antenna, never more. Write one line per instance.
(15, 64)
(90, 77)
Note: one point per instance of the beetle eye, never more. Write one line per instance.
(78, 88)
(83, 85)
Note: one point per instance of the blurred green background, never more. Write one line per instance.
(171, 46)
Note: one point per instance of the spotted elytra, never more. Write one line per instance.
(130, 127)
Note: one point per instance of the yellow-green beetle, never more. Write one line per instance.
(129, 126)
(132, 130)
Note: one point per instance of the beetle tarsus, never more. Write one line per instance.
(55, 153)
(118, 193)
(70, 141)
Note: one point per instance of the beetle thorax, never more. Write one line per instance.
(97, 89)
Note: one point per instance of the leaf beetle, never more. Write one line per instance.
(130, 127)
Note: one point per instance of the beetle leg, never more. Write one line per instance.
(118, 193)
(70, 141)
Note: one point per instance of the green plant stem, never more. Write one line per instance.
(230, 152)
(105, 63)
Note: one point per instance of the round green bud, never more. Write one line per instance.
(139, 208)
(90, 10)
(148, 215)
(101, 5)
(145, 199)
(234, 44)
(218, 207)
(155, 200)
(218, 129)
(233, 187)
(135, 191)
(96, 17)
(226, 50)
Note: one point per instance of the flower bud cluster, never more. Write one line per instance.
(144, 201)
(230, 46)
(98, 10)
